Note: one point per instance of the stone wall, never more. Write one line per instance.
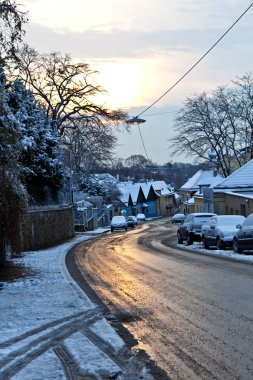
(45, 228)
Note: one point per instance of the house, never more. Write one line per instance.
(234, 195)
(153, 198)
(203, 198)
(132, 197)
(167, 200)
(197, 192)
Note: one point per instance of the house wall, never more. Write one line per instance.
(229, 204)
(152, 209)
(126, 210)
(166, 205)
(198, 205)
(137, 209)
(219, 204)
(238, 205)
(185, 196)
(191, 208)
(45, 228)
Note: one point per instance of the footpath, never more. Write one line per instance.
(50, 329)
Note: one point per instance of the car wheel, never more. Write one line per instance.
(204, 242)
(235, 246)
(189, 240)
(111, 229)
(126, 228)
(220, 244)
(179, 239)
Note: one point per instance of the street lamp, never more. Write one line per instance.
(136, 120)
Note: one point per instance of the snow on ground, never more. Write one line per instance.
(42, 297)
(228, 253)
(48, 323)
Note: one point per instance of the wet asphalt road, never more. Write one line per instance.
(192, 314)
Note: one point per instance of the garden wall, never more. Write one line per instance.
(45, 228)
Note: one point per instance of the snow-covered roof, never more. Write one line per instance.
(242, 177)
(161, 186)
(190, 201)
(127, 188)
(145, 188)
(247, 195)
(202, 177)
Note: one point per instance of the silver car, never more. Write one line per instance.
(220, 230)
(118, 223)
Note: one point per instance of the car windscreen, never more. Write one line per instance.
(118, 219)
(201, 219)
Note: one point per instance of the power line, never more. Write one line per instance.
(143, 142)
(192, 67)
(160, 113)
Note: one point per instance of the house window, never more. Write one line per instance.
(231, 211)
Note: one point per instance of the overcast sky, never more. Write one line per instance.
(141, 48)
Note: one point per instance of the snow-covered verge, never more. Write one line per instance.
(228, 253)
(51, 330)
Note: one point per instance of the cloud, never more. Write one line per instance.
(121, 44)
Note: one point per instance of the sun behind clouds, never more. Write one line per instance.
(121, 81)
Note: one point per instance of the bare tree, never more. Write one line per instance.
(140, 166)
(66, 90)
(11, 29)
(212, 122)
(137, 160)
(245, 100)
(91, 145)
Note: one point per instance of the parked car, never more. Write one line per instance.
(141, 217)
(118, 223)
(190, 230)
(135, 219)
(220, 230)
(243, 239)
(131, 221)
(178, 218)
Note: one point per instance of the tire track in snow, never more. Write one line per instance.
(37, 345)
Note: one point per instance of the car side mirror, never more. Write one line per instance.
(239, 226)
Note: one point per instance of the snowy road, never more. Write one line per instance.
(50, 329)
(192, 313)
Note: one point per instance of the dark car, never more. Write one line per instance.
(190, 230)
(131, 221)
(243, 239)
